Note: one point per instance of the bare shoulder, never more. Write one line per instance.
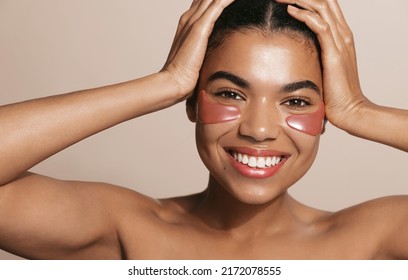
(382, 222)
(385, 210)
(67, 219)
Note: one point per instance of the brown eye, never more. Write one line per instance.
(230, 95)
(297, 102)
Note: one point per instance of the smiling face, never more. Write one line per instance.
(271, 84)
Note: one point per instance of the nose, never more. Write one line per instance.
(260, 121)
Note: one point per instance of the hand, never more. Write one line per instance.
(342, 93)
(190, 43)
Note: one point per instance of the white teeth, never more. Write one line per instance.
(245, 159)
(252, 162)
(258, 162)
(261, 163)
(268, 162)
(239, 157)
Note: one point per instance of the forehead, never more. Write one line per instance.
(275, 59)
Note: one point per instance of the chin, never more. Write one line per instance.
(256, 194)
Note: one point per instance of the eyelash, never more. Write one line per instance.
(229, 94)
(303, 102)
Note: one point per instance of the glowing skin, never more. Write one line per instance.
(211, 112)
(275, 77)
(308, 123)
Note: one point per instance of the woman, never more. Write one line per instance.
(267, 86)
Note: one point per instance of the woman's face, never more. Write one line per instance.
(257, 113)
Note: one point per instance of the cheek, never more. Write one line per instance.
(306, 151)
(212, 113)
(311, 124)
(308, 125)
(210, 140)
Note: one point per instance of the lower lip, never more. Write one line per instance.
(256, 173)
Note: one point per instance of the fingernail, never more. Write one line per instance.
(292, 8)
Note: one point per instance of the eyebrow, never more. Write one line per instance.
(290, 87)
(230, 77)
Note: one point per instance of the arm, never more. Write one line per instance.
(31, 206)
(378, 123)
(346, 106)
(34, 130)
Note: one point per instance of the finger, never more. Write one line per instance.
(304, 4)
(200, 31)
(319, 26)
(189, 20)
(335, 7)
(203, 27)
(330, 11)
(185, 18)
(191, 16)
(197, 6)
(193, 41)
(343, 26)
(344, 29)
(203, 5)
(189, 55)
(211, 14)
(194, 2)
(324, 9)
(311, 5)
(207, 13)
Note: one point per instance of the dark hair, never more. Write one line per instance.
(266, 16)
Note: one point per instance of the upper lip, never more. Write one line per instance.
(257, 152)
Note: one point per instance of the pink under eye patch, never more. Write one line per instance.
(210, 112)
(311, 124)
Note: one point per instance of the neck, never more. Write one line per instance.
(220, 210)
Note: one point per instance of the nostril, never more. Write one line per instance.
(260, 130)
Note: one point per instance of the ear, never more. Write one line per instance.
(324, 126)
(191, 109)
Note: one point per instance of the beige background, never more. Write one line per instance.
(49, 47)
